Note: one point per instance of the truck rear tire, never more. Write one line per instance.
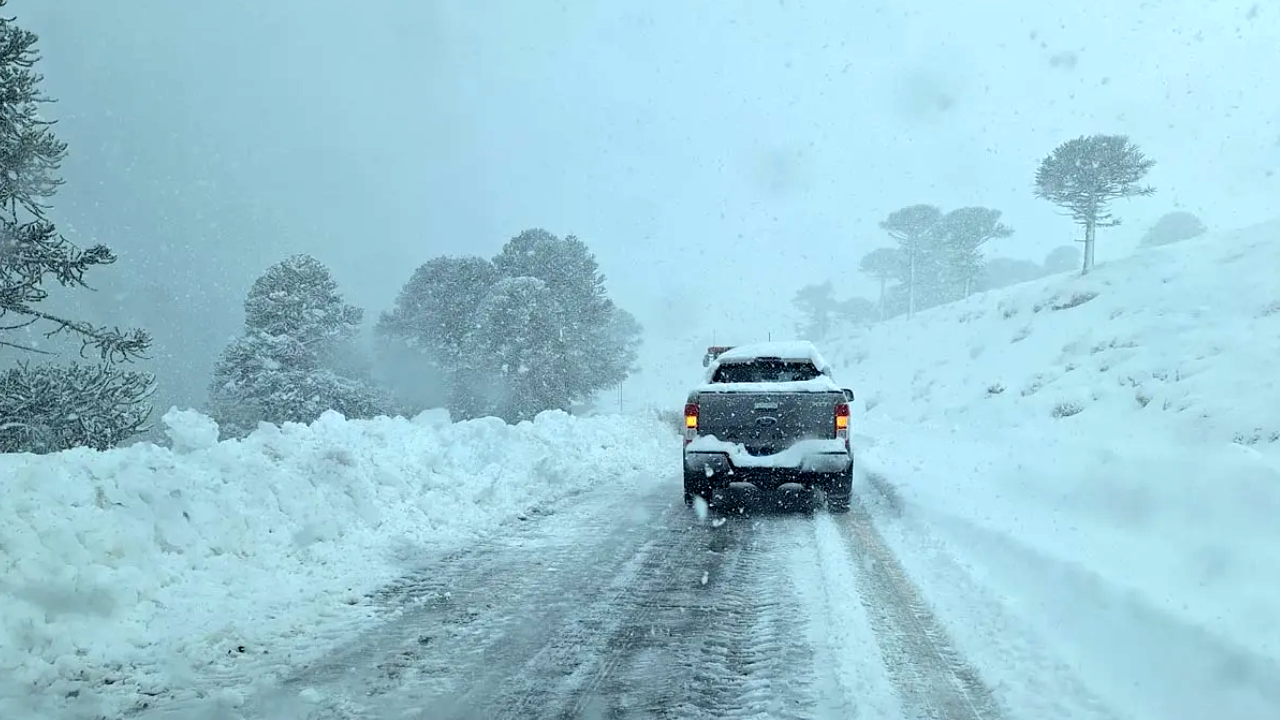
(839, 491)
(695, 484)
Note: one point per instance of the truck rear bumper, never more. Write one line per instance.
(720, 471)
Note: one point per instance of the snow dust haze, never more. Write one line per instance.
(715, 156)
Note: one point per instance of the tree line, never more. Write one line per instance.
(937, 256)
(529, 330)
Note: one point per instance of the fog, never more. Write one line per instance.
(715, 156)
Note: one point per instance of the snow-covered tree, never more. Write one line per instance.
(428, 326)
(598, 348)
(47, 408)
(517, 346)
(1083, 176)
(1061, 259)
(914, 228)
(1173, 227)
(855, 310)
(960, 233)
(882, 264)
(292, 362)
(817, 304)
(1002, 272)
(66, 405)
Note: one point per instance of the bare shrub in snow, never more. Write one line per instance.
(1066, 409)
(995, 389)
(1076, 300)
(1256, 436)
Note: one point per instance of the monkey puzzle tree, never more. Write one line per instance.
(1084, 175)
(913, 227)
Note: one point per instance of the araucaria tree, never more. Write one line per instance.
(817, 304)
(532, 330)
(1083, 176)
(960, 234)
(914, 229)
(292, 363)
(882, 264)
(46, 408)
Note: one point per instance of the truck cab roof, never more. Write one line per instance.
(795, 350)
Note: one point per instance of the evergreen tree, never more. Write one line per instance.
(293, 361)
(49, 408)
(960, 234)
(1086, 174)
(1061, 259)
(595, 349)
(915, 230)
(882, 264)
(1173, 227)
(817, 303)
(855, 310)
(432, 316)
(516, 346)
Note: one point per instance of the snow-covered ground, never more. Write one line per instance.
(1104, 454)
(125, 574)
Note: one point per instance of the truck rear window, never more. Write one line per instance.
(765, 371)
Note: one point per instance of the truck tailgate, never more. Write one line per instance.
(767, 423)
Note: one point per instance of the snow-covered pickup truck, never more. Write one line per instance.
(768, 414)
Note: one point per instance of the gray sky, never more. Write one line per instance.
(716, 156)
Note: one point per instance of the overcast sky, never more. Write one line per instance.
(715, 155)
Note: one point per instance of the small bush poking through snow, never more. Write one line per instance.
(995, 389)
(1076, 300)
(1066, 409)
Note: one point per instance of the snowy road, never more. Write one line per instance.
(630, 605)
(635, 607)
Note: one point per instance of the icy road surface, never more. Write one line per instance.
(638, 607)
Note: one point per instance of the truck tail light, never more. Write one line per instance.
(842, 420)
(690, 422)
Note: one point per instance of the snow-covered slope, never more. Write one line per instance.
(122, 572)
(1105, 449)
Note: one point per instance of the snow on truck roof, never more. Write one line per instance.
(793, 350)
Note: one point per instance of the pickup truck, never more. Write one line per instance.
(768, 415)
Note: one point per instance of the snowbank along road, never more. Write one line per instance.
(638, 607)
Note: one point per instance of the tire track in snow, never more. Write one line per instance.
(457, 627)
(723, 642)
(932, 679)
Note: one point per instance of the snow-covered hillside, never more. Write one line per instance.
(1105, 450)
(125, 572)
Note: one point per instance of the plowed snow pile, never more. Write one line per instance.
(1117, 436)
(123, 571)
